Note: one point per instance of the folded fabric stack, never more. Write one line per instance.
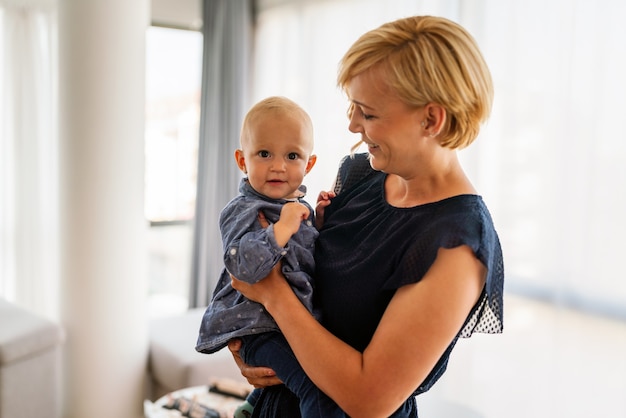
(220, 399)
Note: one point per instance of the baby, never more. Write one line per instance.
(275, 154)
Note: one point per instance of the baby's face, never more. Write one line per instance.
(276, 155)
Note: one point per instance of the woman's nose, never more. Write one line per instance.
(354, 127)
(354, 124)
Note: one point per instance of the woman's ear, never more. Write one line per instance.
(435, 118)
(241, 161)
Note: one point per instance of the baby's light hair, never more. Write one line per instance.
(274, 106)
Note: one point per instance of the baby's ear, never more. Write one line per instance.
(310, 163)
(241, 161)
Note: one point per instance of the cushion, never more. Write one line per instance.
(24, 334)
(175, 364)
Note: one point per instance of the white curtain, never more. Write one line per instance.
(548, 162)
(551, 157)
(28, 155)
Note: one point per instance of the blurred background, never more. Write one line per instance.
(549, 164)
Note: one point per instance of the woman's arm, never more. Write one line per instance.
(420, 322)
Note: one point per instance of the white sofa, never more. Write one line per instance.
(30, 364)
(174, 363)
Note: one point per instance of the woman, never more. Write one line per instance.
(408, 259)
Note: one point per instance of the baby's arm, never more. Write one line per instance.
(291, 216)
(323, 200)
(250, 252)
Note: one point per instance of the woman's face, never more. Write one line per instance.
(390, 128)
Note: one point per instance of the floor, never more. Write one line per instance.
(550, 362)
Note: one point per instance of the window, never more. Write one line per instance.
(173, 83)
(173, 86)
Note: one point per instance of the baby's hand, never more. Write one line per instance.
(292, 213)
(291, 216)
(323, 200)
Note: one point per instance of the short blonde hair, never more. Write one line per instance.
(275, 106)
(428, 59)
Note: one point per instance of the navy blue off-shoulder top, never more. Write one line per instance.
(367, 249)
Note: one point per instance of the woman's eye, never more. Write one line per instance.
(365, 115)
(292, 156)
(264, 154)
(354, 108)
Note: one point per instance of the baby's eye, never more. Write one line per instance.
(264, 154)
(293, 156)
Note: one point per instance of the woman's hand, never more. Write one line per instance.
(265, 291)
(259, 377)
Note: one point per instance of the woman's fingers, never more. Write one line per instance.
(258, 377)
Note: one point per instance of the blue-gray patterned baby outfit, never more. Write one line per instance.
(250, 252)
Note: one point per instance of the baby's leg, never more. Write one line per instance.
(272, 350)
